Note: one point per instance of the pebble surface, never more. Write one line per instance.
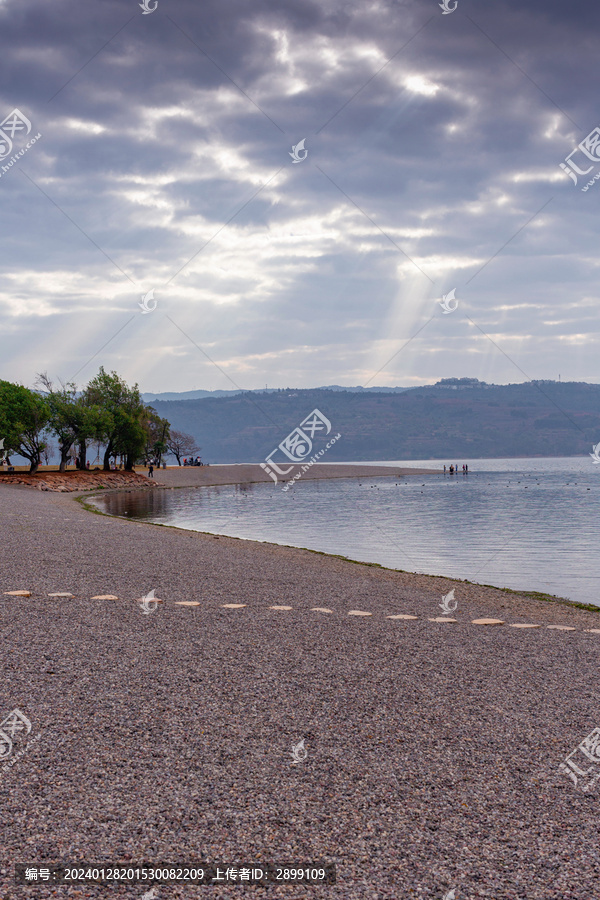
(432, 753)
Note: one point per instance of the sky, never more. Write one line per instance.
(428, 165)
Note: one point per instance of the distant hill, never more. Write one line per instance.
(198, 395)
(453, 419)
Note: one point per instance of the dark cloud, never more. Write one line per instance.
(434, 144)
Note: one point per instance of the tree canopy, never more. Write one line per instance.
(107, 411)
(24, 416)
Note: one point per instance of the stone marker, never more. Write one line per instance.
(322, 609)
(60, 595)
(487, 622)
(281, 607)
(522, 625)
(443, 619)
(358, 612)
(233, 605)
(561, 627)
(105, 597)
(401, 616)
(187, 603)
(17, 593)
(593, 630)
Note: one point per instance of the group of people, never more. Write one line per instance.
(191, 461)
(454, 469)
(77, 462)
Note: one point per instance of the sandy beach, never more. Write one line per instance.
(432, 747)
(250, 473)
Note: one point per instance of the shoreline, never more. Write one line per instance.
(206, 476)
(538, 596)
(75, 480)
(86, 501)
(252, 473)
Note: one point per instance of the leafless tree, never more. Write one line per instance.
(181, 444)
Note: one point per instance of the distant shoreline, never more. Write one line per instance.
(49, 479)
(252, 473)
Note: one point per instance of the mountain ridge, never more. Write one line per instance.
(453, 418)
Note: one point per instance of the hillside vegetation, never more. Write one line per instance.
(436, 422)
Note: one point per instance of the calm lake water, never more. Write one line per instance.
(528, 524)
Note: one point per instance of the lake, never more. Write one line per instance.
(529, 524)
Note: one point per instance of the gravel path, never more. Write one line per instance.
(432, 748)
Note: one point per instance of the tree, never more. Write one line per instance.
(48, 452)
(23, 417)
(72, 419)
(122, 428)
(157, 434)
(182, 444)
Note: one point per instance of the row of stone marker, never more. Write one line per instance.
(322, 609)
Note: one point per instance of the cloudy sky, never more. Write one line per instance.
(432, 145)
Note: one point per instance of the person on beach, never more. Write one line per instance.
(466, 469)
(444, 470)
(150, 471)
(451, 469)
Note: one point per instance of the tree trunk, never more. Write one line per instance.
(178, 457)
(82, 455)
(34, 465)
(64, 452)
(129, 463)
(107, 455)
